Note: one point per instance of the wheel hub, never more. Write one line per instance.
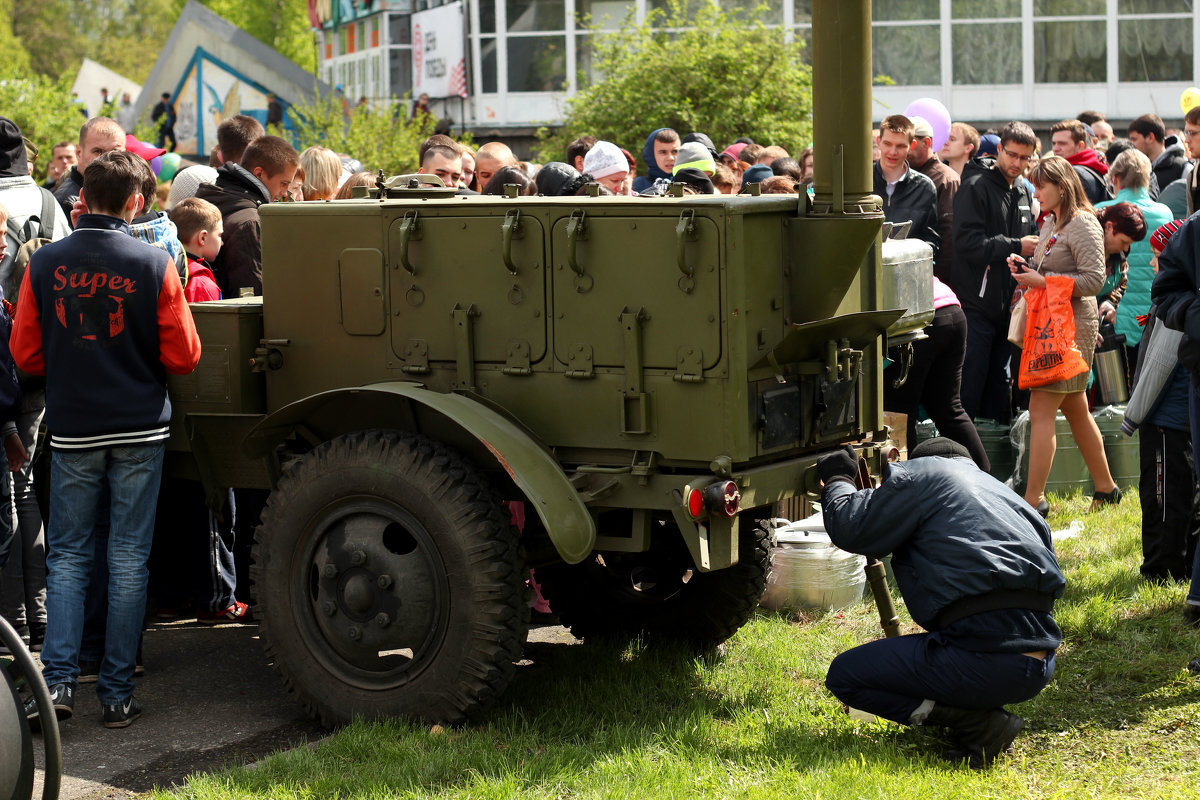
(373, 591)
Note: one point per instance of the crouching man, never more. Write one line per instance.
(976, 568)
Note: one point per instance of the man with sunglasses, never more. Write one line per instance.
(993, 219)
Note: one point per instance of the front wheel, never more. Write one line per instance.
(389, 581)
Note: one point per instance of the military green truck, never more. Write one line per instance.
(637, 381)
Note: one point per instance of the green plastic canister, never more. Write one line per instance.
(1068, 473)
(1121, 451)
(998, 446)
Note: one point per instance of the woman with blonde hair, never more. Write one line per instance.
(322, 173)
(1071, 245)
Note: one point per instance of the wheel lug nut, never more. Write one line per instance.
(358, 558)
(384, 581)
(354, 633)
(382, 620)
(329, 570)
(329, 607)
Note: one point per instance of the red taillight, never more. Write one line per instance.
(722, 498)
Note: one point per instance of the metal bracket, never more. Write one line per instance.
(577, 232)
(267, 355)
(416, 357)
(635, 417)
(410, 231)
(685, 231)
(518, 358)
(690, 365)
(510, 229)
(904, 359)
(464, 346)
(579, 362)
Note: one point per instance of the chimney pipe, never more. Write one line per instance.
(842, 108)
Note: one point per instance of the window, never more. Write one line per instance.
(1154, 6)
(773, 15)
(487, 16)
(537, 63)
(985, 9)
(1068, 8)
(536, 15)
(910, 55)
(487, 57)
(1155, 50)
(605, 15)
(1070, 52)
(400, 71)
(400, 28)
(903, 10)
(986, 53)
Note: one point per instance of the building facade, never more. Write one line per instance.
(986, 60)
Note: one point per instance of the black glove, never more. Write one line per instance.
(842, 464)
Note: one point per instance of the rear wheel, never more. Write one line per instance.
(660, 593)
(390, 582)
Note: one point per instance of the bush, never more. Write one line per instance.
(381, 138)
(723, 73)
(42, 108)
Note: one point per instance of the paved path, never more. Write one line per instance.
(211, 700)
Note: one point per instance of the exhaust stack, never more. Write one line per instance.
(842, 108)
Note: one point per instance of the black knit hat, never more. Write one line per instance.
(13, 161)
(939, 446)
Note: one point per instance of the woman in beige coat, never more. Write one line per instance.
(1071, 245)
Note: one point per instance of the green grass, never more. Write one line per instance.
(1120, 719)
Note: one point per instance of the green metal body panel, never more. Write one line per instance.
(603, 353)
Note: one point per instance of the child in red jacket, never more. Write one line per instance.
(199, 224)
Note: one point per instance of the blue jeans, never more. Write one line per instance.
(986, 389)
(78, 481)
(890, 677)
(1193, 597)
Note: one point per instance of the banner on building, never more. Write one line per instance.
(439, 62)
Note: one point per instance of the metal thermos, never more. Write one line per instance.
(1109, 364)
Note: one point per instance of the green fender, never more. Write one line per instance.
(527, 462)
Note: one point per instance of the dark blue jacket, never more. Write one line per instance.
(102, 316)
(1176, 289)
(953, 531)
(643, 182)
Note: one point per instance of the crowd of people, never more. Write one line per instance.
(93, 353)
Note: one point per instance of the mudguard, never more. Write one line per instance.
(531, 466)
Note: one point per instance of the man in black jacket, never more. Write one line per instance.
(1166, 153)
(976, 567)
(993, 218)
(98, 136)
(907, 194)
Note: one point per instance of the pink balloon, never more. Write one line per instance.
(156, 165)
(935, 114)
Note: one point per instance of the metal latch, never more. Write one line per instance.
(267, 355)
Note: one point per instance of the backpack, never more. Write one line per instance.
(22, 241)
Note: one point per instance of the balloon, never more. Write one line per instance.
(1189, 99)
(170, 165)
(156, 165)
(935, 114)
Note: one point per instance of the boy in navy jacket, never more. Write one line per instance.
(103, 317)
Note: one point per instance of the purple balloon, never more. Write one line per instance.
(935, 114)
(156, 165)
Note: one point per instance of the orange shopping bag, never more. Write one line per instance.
(1050, 353)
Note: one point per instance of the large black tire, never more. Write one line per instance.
(660, 594)
(390, 582)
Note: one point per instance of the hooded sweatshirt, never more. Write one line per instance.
(238, 194)
(1168, 167)
(1091, 170)
(643, 182)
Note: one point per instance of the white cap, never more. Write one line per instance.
(187, 181)
(604, 159)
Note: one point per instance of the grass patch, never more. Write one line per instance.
(1121, 718)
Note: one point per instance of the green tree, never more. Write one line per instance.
(383, 138)
(42, 108)
(704, 69)
(281, 24)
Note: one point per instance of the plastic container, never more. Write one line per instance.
(808, 572)
(1124, 461)
(1068, 473)
(998, 446)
